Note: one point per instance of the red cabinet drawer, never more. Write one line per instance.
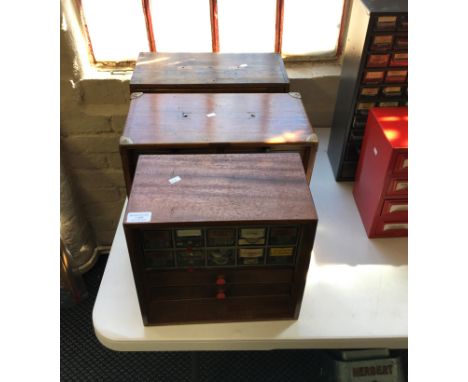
(395, 209)
(385, 228)
(401, 164)
(398, 187)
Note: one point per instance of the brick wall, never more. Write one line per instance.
(91, 124)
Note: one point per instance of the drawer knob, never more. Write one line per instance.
(220, 281)
(221, 295)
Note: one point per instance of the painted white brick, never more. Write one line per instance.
(87, 161)
(109, 194)
(104, 210)
(104, 91)
(118, 123)
(78, 124)
(70, 99)
(104, 143)
(114, 161)
(106, 110)
(95, 179)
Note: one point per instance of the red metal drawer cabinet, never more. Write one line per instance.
(381, 187)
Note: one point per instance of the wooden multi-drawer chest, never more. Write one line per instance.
(216, 123)
(209, 73)
(381, 186)
(220, 237)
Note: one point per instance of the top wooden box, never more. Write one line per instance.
(216, 123)
(209, 73)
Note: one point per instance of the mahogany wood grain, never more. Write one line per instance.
(222, 188)
(182, 123)
(209, 72)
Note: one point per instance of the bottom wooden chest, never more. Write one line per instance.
(221, 237)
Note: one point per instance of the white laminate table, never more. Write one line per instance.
(356, 294)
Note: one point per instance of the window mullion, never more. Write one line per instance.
(279, 25)
(149, 24)
(85, 27)
(214, 25)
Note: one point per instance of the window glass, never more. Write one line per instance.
(181, 25)
(117, 29)
(246, 26)
(311, 27)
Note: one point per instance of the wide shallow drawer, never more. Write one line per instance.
(212, 310)
(395, 209)
(217, 291)
(210, 277)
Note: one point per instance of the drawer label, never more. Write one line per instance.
(392, 90)
(388, 104)
(401, 186)
(392, 226)
(370, 92)
(282, 251)
(188, 232)
(251, 252)
(252, 233)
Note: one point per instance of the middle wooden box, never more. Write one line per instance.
(216, 123)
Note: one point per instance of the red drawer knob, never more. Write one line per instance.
(220, 281)
(221, 295)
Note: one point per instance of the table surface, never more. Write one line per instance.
(356, 294)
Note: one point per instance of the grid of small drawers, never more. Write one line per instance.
(195, 247)
(384, 78)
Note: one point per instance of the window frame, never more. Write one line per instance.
(152, 39)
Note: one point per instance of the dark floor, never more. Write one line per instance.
(83, 358)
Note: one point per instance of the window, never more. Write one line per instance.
(117, 30)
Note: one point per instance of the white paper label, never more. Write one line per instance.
(211, 115)
(243, 65)
(375, 151)
(188, 232)
(175, 179)
(139, 217)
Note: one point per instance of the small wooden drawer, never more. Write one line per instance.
(210, 276)
(385, 228)
(395, 209)
(398, 187)
(214, 310)
(217, 291)
(401, 164)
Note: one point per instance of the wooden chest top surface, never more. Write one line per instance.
(167, 119)
(221, 188)
(208, 69)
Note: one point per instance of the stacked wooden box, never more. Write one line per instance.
(220, 221)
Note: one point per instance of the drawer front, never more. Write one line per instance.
(395, 209)
(212, 310)
(217, 292)
(401, 165)
(398, 187)
(210, 277)
(385, 228)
